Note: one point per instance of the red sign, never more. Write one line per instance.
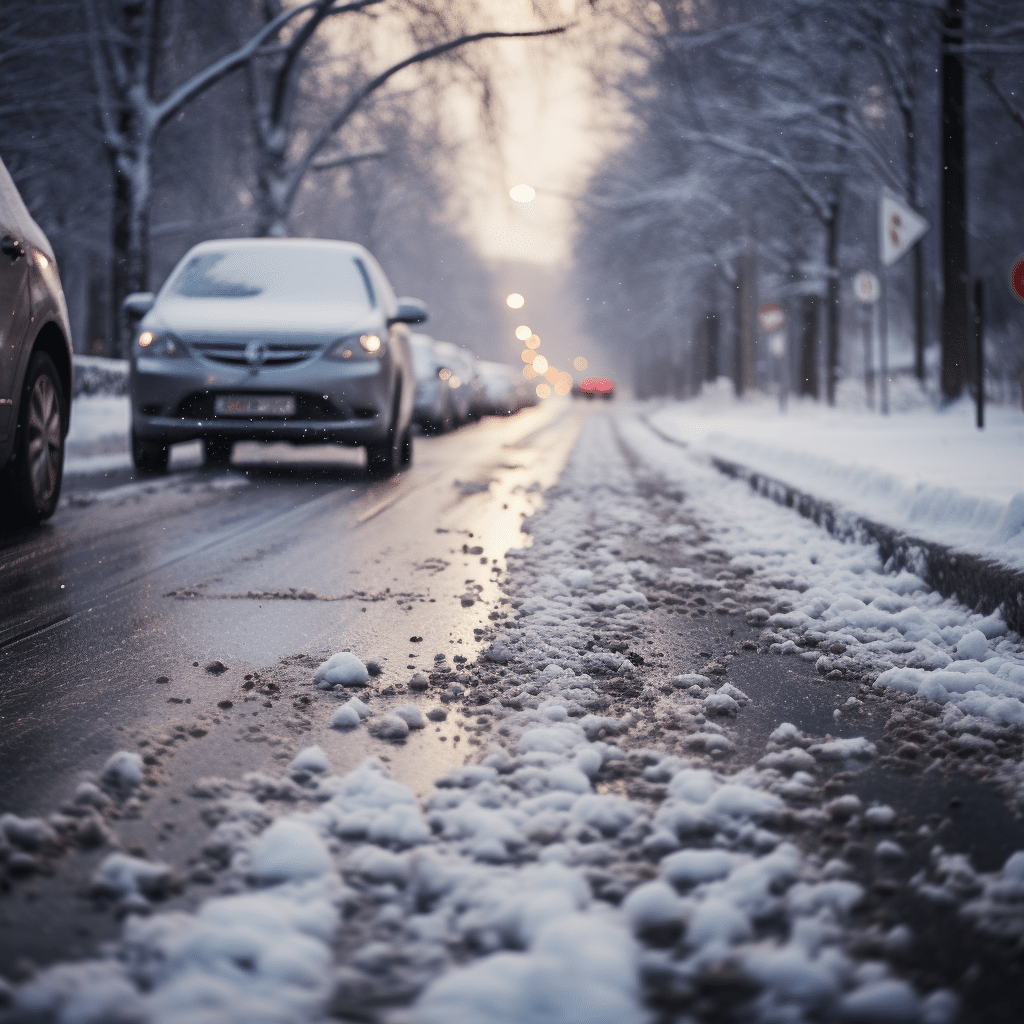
(1017, 278)
(771, 318)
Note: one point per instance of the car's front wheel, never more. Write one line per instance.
(406, 456)
(385, 458)
(37, 468)
(150, 457)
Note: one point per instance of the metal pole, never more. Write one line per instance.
(956, 344)
(979, 349)
(883, 343)
(867, 318)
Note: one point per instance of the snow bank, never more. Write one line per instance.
(927, 472)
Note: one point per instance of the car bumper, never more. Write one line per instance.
(347, 403)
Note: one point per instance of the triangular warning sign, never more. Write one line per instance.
(899, 228)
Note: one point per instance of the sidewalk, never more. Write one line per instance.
(931, 474)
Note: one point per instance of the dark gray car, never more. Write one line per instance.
(35, 365)
(299, 340)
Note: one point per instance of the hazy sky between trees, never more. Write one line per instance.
(550, 134)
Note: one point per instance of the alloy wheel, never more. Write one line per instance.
(44, 438)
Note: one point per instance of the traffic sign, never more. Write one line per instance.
(866, 287)
(771, 317)
(899, 228)
(1017, 278)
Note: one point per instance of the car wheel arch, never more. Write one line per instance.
(50, 340)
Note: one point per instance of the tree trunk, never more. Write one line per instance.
(832, 302)
(955, 313)
(130, 258)
(711, 346)
(920, 338)
(809, 346)
(273, 199)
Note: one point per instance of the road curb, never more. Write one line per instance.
(978, 582)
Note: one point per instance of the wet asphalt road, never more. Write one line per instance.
(110, 614)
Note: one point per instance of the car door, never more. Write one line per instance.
(15, 314)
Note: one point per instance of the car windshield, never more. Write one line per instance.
(276, 274)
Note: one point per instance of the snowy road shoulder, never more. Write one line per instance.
(924, 472)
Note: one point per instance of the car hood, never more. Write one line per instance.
(238, 316)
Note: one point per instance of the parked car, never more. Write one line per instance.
(594, 387)
(460, 375)
(434, 408)
(504, 389)
(299, 340)
(35, 365)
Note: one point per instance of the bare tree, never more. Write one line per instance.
(288, 149)
(127, 42)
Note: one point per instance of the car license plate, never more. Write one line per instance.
(254, 405)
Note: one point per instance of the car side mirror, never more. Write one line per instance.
(138, 303)
(410, 311)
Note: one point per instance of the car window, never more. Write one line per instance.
(275, 274)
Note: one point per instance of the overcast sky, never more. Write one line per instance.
(551, 135)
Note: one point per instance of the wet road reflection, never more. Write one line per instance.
(290, 552)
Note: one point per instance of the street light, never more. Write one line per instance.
(522, 193)
(515, 301)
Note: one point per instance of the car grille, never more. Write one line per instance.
(275, 353)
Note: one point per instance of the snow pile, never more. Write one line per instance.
(350, 714)
(928, 472)
(519, 861)
(98, 375)
(342, 669)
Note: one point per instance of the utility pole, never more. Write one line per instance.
(956, 354)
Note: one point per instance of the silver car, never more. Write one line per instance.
(434, 410)
(35, 365)
(299, 340)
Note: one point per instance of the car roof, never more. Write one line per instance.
(227, 244)
(17, 215)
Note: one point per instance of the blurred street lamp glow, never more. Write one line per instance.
(528, 356)
(552, 376)
(580, 363)
(563, 387)
(522, 193)
(543, 391)
(523, 332)
(533, 341)
(540, 364)
(515, 301)
(529, 372)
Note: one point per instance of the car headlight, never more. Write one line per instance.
(356, 347)
(158, 345)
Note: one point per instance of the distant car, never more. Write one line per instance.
(299, 340)
(35, 365)
(460, 375)
(504, 389)
(434, 408)
(594, 387)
